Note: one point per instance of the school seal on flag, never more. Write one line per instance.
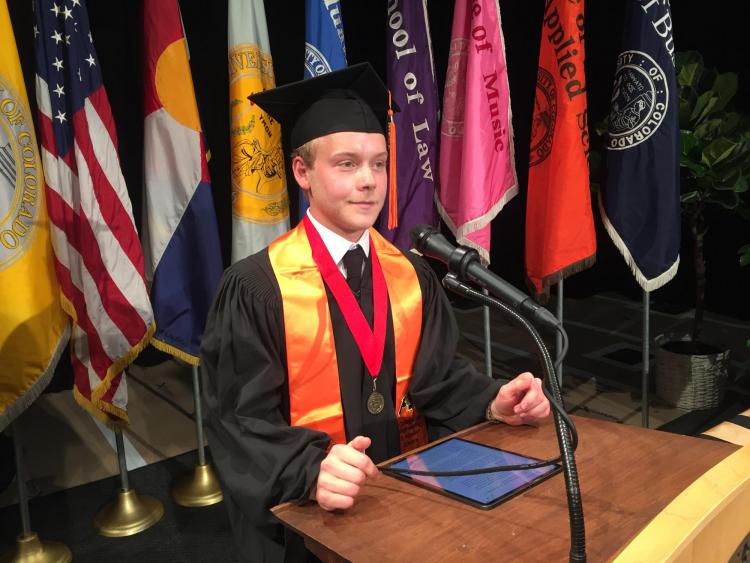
(545, 115)
(258, 180)
(19, 183)
(315, 61)
(639, 100)
(455, 93)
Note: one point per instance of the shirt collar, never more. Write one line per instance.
(336, 244)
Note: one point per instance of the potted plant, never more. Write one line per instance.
(715, 166)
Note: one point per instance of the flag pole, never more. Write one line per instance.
(558, 335)
(487, 339)
(201, 487)
(28, 545)
(23, 500)
(645, 339)
(129, 513)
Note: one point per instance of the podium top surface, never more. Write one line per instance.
(627, 476)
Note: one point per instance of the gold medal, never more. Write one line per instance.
(375, 403)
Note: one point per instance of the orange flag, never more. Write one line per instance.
(560, 237)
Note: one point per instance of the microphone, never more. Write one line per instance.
(464, 262)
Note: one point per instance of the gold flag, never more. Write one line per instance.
(33, 326)
(260, 204)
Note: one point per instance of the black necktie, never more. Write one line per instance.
(353, 261)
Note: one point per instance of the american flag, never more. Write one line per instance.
(98, 257)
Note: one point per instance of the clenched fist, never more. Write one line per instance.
(520, 401)
(342, 473)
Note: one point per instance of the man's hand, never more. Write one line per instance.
(342, 472)
(520, 401)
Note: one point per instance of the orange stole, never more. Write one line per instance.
(312, 367)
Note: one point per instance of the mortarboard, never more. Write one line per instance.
(351, 99)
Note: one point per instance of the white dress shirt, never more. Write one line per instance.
(337, 245)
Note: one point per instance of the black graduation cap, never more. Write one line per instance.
(351, 99)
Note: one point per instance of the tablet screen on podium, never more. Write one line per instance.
(485, 490)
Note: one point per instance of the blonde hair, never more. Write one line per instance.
(306, 152)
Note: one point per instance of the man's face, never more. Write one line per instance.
(346, 184)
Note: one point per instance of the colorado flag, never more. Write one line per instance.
(180, 234)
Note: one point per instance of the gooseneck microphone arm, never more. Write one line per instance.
(463, 263)
(564, 427)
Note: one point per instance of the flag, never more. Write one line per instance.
(180, 235)
(640, 198)
(260, 205)
(411, 80)
(33, 327)
(560, 236)
(477, 170)
(98, 256)
(325, 49)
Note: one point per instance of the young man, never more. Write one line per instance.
(310, 380)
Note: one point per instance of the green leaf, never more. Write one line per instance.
(725, 86)
(687, 103)
(601, 127)
(703, 106)
(689, 65)
(739, 159)
(688, 141)
(709, 129)
(733, 181)
(726, 199)
(695, 169)
(717, 151)
(730, 124)
(690, 197)
(737, 180)
(744, 253)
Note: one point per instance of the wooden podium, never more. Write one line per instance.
(628, 476)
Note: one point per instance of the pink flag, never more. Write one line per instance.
(477, 170)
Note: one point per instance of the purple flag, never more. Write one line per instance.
(411, 79)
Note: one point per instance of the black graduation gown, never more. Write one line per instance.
(260, 459)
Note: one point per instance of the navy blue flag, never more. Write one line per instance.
(325, 49)
(640, 199)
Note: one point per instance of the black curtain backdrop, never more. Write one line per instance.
(715, 29)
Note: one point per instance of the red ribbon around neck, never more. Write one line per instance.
(371, 342)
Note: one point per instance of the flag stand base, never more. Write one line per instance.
(199, 488)
(128, 514)
(30, 549)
